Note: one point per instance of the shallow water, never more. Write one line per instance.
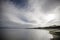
(26, 34)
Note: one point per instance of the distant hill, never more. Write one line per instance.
(50, 27)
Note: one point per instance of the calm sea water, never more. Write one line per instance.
(26, 34)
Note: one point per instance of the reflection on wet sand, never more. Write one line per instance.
(26, 34)
(31, 34)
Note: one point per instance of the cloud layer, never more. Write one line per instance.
(38, 13)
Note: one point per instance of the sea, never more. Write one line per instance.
(26, 34)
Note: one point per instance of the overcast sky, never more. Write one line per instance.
(30, 13)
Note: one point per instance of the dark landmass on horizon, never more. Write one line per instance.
(50, 27)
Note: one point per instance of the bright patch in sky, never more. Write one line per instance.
(50, 17)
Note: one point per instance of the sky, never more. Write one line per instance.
(30, 13)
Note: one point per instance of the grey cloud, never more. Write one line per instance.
(20, 3)
(27, 20)
(50, 5)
